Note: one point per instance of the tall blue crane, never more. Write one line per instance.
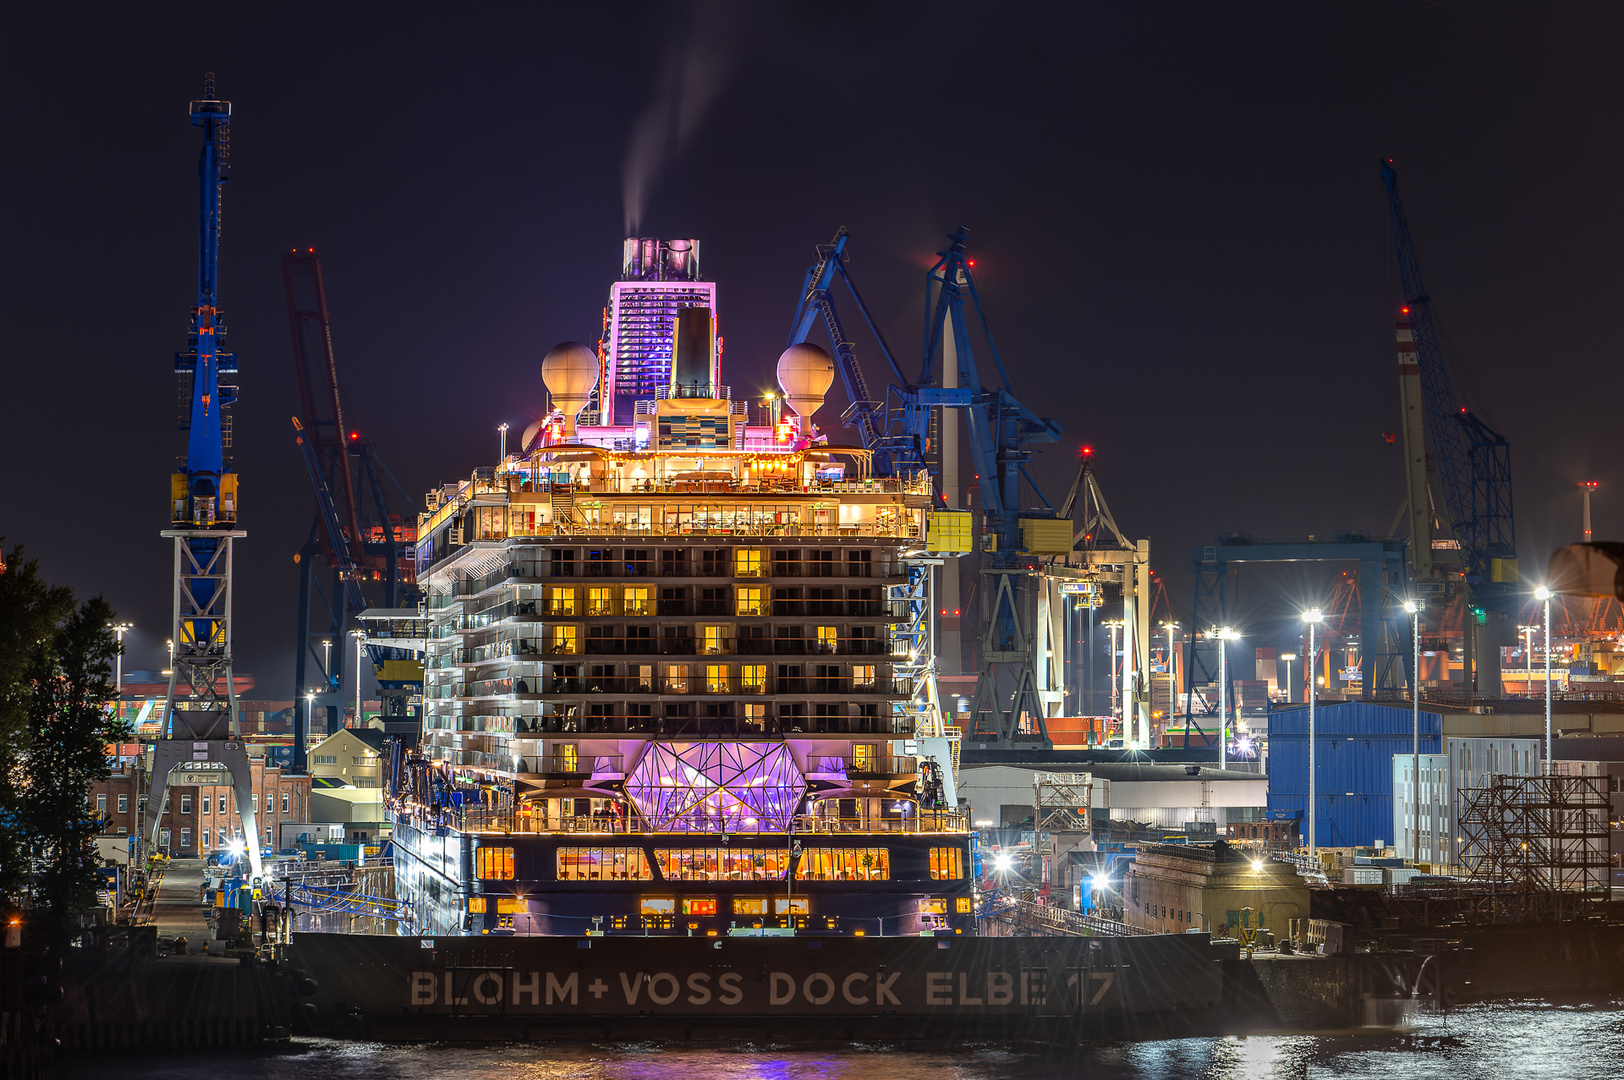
(200, 727)
(1000, 429)
(1460, 472)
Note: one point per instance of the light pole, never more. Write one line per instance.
(501, 455)
(1313, 617)
(1112, 626)
(326, 663)
(1543, 595)
(1414, 608)
(1224, 635)
(1172, 683)
(1587, 487)
(171, 644)
(310, 703)
(1528, 654)
(360, 637)
(1288, 657)
(118, 660)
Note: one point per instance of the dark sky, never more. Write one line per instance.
(1179, 227)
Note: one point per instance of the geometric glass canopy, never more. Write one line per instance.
(716, 787)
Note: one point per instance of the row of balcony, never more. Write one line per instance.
(606, 645)
(729, 684)
(507, 822)
(644, 566)
(685, 726)
(571, 764)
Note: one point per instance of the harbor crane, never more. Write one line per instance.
(200, 740)
(1006, 709)
(368, 548)
(1457, 478)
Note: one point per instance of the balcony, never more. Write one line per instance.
(882, 768)
(534, 820)
(566, 766)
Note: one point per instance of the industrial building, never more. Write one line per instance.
(1447, 780)
(1172, 888)
(1162, 796)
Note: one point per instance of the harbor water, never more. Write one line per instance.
(1528, 1040)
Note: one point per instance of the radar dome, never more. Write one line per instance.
(570, 371)
(805, 373)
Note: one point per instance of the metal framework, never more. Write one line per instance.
(1538, 834)
(1061, 802)
(200, 715)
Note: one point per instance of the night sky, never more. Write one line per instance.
(1175, 209)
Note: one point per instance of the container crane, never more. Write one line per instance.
(1457, 478)
(200, 737)
(367, 548)
(1006, 708)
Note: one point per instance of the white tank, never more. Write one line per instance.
(570, 371)
(805, 373)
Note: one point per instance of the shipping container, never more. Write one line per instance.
(1353, 768)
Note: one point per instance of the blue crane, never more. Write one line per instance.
(896, 428)
(200, 729)
(1469, 467)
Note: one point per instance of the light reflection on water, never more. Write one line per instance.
(1526, 1040)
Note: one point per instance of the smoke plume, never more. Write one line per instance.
(692, 76)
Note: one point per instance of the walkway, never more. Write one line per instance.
(177, 906)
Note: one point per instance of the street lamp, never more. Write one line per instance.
(118, 660)
(1543, 595)
(326, 663)
(1288, 657)
(1588, 487)
(1113, 625)
(1224, 635)
(310, 702)
(1414, 608)
(360, 637)
(1527, 633)
(171, 644)
(1171, 681)
(1313, 617)
(502, 435)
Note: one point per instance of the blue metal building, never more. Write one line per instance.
(1354, 746)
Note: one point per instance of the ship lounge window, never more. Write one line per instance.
(721, 864)
(845, 864)
(603, 864)
(699, 905)
(493, 863)
(657, 905)
(791, 905)
(946, 864)
(749, 905)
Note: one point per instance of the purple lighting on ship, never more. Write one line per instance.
(713, 787)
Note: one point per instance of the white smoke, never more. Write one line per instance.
(693, 75)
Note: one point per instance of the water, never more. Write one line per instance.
(1526, 1040)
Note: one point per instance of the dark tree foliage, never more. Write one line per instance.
(56, 680)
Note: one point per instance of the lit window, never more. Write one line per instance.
(752, 600)
(493, 863)
(747, 563)
(791, 905)
(635, 600)
(753, 679)
(562, 640)
(699, 905)
(828, 638)
(561, 600)
(715, 639)
(862, 676)
(946, 864)
(600, 601)
(603, 864)
(676, 678)
(716, 681)
(721, 864)
(749, 905)
(845, 864)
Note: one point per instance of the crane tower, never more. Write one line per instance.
(199, 742)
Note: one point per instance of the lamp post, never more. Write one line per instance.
(360, 637)
(501, 455)
(118, 659)
(1414, 608)
(1288, 657)
(1224, 635)
(1112, 626)
(1587, 487)
(1543, 595)
(310, 703)
(326, 663)
(1528, 653)
(1172, 683)
(1313, 617)
(171, 644)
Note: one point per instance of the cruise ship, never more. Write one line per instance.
(679, 659)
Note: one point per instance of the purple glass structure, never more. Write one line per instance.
(716, 787)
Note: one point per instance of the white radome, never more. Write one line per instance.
(805, 373)
(570, 372)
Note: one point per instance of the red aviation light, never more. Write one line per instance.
(355, 435)
(1403, 311)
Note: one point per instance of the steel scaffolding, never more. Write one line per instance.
(1538, 834)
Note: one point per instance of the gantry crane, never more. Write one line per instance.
(200, 738)
(1006, 709)
(369, 549)
(1457, 478)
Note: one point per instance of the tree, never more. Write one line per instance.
(56, 666)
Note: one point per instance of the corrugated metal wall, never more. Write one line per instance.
(1354, 746)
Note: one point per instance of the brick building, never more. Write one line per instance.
(199, 819)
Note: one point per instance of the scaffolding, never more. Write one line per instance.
(1538, 835)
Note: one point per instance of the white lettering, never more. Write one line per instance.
(882, 989)
(449, 1000)
(732, 994)
(655, 995)
(570, 987)
(632, 987)
(846, 990)
(939, 988)
(1106, 978)
(531, 987)
(1000, 988)
(481, 981)
(964, 991)
(701, 993)
(423, 986)
(818, 997)
(781, 988)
